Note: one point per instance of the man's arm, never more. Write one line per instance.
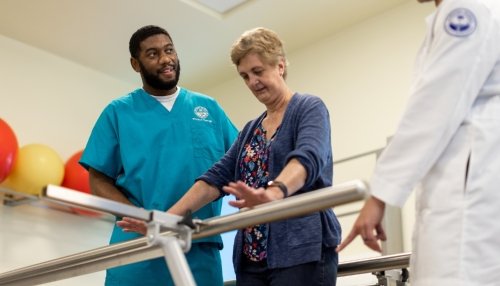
(200, 194)
(103, 186)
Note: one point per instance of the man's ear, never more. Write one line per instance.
(135, 64)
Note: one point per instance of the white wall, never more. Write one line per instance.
(49, 100)
(362, 74)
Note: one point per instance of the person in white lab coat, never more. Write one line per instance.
(449, 141)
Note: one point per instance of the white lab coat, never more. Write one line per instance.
(449, 140)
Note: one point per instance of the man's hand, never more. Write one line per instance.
(128, 224)
(368, 225)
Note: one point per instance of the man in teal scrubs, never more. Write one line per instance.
(148, 147)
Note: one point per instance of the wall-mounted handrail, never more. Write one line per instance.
(350, 158)
(139, 250)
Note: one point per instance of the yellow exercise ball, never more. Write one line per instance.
(36, 166)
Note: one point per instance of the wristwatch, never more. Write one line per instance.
(280, 185)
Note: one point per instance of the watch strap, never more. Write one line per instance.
(280, 185)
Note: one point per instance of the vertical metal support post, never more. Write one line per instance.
(384, 280)
(393, 226)
(176, 261)
(393, 229)
(173, 246)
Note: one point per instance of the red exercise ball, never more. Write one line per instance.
(8, 149)
(76, 177)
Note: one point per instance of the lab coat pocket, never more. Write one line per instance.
(445, 183)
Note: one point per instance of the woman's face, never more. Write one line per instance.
(264, 80)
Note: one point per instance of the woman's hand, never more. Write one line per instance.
(248, 197)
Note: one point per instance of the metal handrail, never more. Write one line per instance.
(368, 265)
(138, 249)
(350, 158)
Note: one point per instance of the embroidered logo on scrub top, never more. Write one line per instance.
(460, 22)
(201, 112)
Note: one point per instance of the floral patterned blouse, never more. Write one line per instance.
(254, 172)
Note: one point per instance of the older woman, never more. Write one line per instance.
(283, 152)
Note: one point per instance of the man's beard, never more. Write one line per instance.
(154, 80)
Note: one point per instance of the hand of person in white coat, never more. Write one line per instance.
(368, 225)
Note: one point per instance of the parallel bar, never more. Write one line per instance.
(68, 196)
(138, 249)
(291, 207)
(367, 265)
(386, 262)
(19, 198)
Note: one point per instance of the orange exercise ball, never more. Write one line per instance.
(76, 178)
(8, 149)
(36, 166)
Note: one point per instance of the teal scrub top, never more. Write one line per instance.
(155, 155)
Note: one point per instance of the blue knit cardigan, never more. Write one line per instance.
(305, 135)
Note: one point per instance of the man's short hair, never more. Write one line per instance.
(140, 35)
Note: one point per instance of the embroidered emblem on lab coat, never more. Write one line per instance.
(460, 22)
